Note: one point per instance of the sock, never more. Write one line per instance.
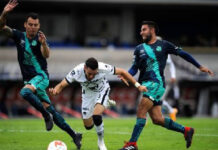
(171, 125)
(169, 108)
(140, 123)
(100, 131)
(28, 95)
(60, 122)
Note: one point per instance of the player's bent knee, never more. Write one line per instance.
(90, 127)
(25, 92)
(97, 119)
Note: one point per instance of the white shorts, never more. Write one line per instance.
(90, 99)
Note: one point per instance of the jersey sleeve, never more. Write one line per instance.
(16, 35)
(106, 68)
(171, 48)
(134, 68)
(72, 75)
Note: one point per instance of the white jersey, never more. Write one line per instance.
(94, 91)
(97, 83)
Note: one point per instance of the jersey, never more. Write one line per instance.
(97, 84)
(29, 55)
(150, 59)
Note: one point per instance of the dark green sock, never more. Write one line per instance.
(28, 95)
(140, 123)
(60, 122)
(171, 125)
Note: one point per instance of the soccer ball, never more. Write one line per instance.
(57, 145)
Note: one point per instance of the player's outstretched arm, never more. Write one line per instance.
(58, 88)
(124, 74)
(190, 59)
(9, 7)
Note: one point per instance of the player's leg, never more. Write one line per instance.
(172, 111)
(159, 119)
(28, 93)
(99, 125)
(88, 123)
(144, 106)
(58, 119)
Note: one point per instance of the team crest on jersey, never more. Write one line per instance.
(73, 73)
(141, 51)
(158, 48)
(34, 43)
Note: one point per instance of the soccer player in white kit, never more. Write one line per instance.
(95, 91)
(172, 111)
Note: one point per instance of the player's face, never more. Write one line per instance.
(32, 26)
(146, 33)
(90, 74)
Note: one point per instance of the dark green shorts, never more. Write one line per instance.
(40, 83)
(155, 92)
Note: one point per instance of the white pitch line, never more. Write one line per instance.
(107, 132)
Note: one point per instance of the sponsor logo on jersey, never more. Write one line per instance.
(158, 48)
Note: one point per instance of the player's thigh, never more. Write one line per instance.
(143, 107)
(98, 109)
(102, 99)
(156, 115)
(88, 122)
(38, 81)
(87, 106)
(30, 87)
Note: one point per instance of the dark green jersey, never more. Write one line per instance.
(29, 54)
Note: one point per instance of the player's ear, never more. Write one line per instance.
(25, 24)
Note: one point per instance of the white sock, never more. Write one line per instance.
(167, 105)
(100, 132)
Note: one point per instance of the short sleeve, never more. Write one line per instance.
(106, 68)
(73, 74)
(171, 48)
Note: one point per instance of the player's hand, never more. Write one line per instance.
(10, 6)
(123, 79)
(42, 38)
(204, 69)
(53, 91)
(173, 80)
(142, 88)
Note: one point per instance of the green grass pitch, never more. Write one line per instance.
(30, 134)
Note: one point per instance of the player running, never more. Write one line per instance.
(150, 58)
(33, 50)
(95, 92)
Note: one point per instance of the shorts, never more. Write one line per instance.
(155, 92)
(40, 83)
(91, 98)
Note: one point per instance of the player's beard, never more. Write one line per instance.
(148, 38)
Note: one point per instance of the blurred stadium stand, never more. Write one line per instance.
(116, 23)
(109, 31)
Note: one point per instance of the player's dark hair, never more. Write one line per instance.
(92, 63)
(151, 24)
(32, 15)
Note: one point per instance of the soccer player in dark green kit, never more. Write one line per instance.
(150, 59)
(32, 50)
